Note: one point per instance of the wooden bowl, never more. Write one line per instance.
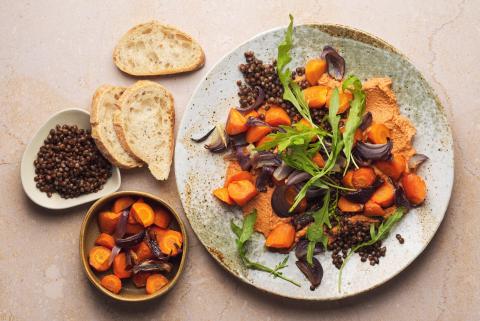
(90, 231)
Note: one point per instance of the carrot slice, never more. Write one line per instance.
(122, 203)
(120, 268)
(236, 123)
(222, 194)
(140, 279)
(315, 96)
(242, 191)
(98, 258)
(162, 217)
(238, 176)
(112, 283)
(344, 100)
(169, 241)
(131, 216)
(264, 140)
(155, 282)
(349, 207)
(393, 168)
(347, 179)
(318, 159)
(143, 252)
(373, 209)
(252, 113)
(314, 69)
(107, 221)
(106, 240)
(415, 188)
(378, 133)
(384, 195)
(276, 116)
(256, 133)
(363, 177)
(143, 214)
(134, 228)
(281, 237)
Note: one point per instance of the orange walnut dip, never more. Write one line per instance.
(320, 162)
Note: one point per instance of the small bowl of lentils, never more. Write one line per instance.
(62, 167)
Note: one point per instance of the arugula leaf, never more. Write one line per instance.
(315, 230)
(376, 235)
(291, 90)
(295, 135)
(357, 108)
(243, 235)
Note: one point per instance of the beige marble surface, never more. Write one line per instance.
(53, 54)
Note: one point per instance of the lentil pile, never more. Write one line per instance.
(256, 73)
(70, 164)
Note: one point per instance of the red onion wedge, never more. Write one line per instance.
(297, 177)
(264, 179)
(415, 161)
(204, 137)
(219, 141)
(374, 151)
(116, 249)
(313, 273)
(282, 171)
(335, 62)
(130, 241)
(121, 227)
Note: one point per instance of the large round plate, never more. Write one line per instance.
(198, 172)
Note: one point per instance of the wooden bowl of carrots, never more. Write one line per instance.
(133, 246)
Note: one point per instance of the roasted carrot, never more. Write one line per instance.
(98, 258)
(107, 221)
(134, 228)
(169, 241)
(315, 96)
(305, 123)
(314, 69)
(373, 209)
(252, 113)
(162, 217)
(120, 267)
(242, 191)
(290, 195)
(318, 159)
(222, 194)
(122, 203)
(262, 111)
(131, 216)
(363, 177)
(276, 116)
(143, 214)
(238, 176)
(143, 252)
(349, 207)
(140, 279)
(393, 168)
(358, 135)
(362, 219)
(344, 100)
(378, 133)
(384, 195)
(106, 240)
(347, 179)
(414, 187)
(236, 123)
(112, 283)
(256, 133)
(264, 140)
(281, 237)
(155, 282)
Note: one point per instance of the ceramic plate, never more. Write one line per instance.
(72, 116)
(198, 172)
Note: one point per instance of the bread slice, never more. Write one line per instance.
(144, 123)
(103, 133)
(153, 48)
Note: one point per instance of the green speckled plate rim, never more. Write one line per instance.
(346, 32)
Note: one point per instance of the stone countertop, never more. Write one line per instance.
(54, 54)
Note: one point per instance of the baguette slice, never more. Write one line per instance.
(152, 49)
(144, 123)
(103, 133)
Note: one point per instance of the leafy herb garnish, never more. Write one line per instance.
(357, 108)
(291, 90)
(315, 232)
(376, 235)
(243, 235)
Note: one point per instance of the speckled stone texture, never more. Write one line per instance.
(54, 54)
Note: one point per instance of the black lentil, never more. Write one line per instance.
(400, 239)
(70, 164)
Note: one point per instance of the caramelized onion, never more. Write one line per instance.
(131, 240)
(374, 151)
(243, 158)
(121, 227)
(282, 171)
(219, 141)
(335, 62)
(366, 121)
(301, 248)
(204, 137)
(416, 160)
(282, 200)
(264, 179)
(313, 273)
(297, 177)
(153, 266)
(258, 101)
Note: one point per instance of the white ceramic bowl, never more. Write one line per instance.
(72, 116)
